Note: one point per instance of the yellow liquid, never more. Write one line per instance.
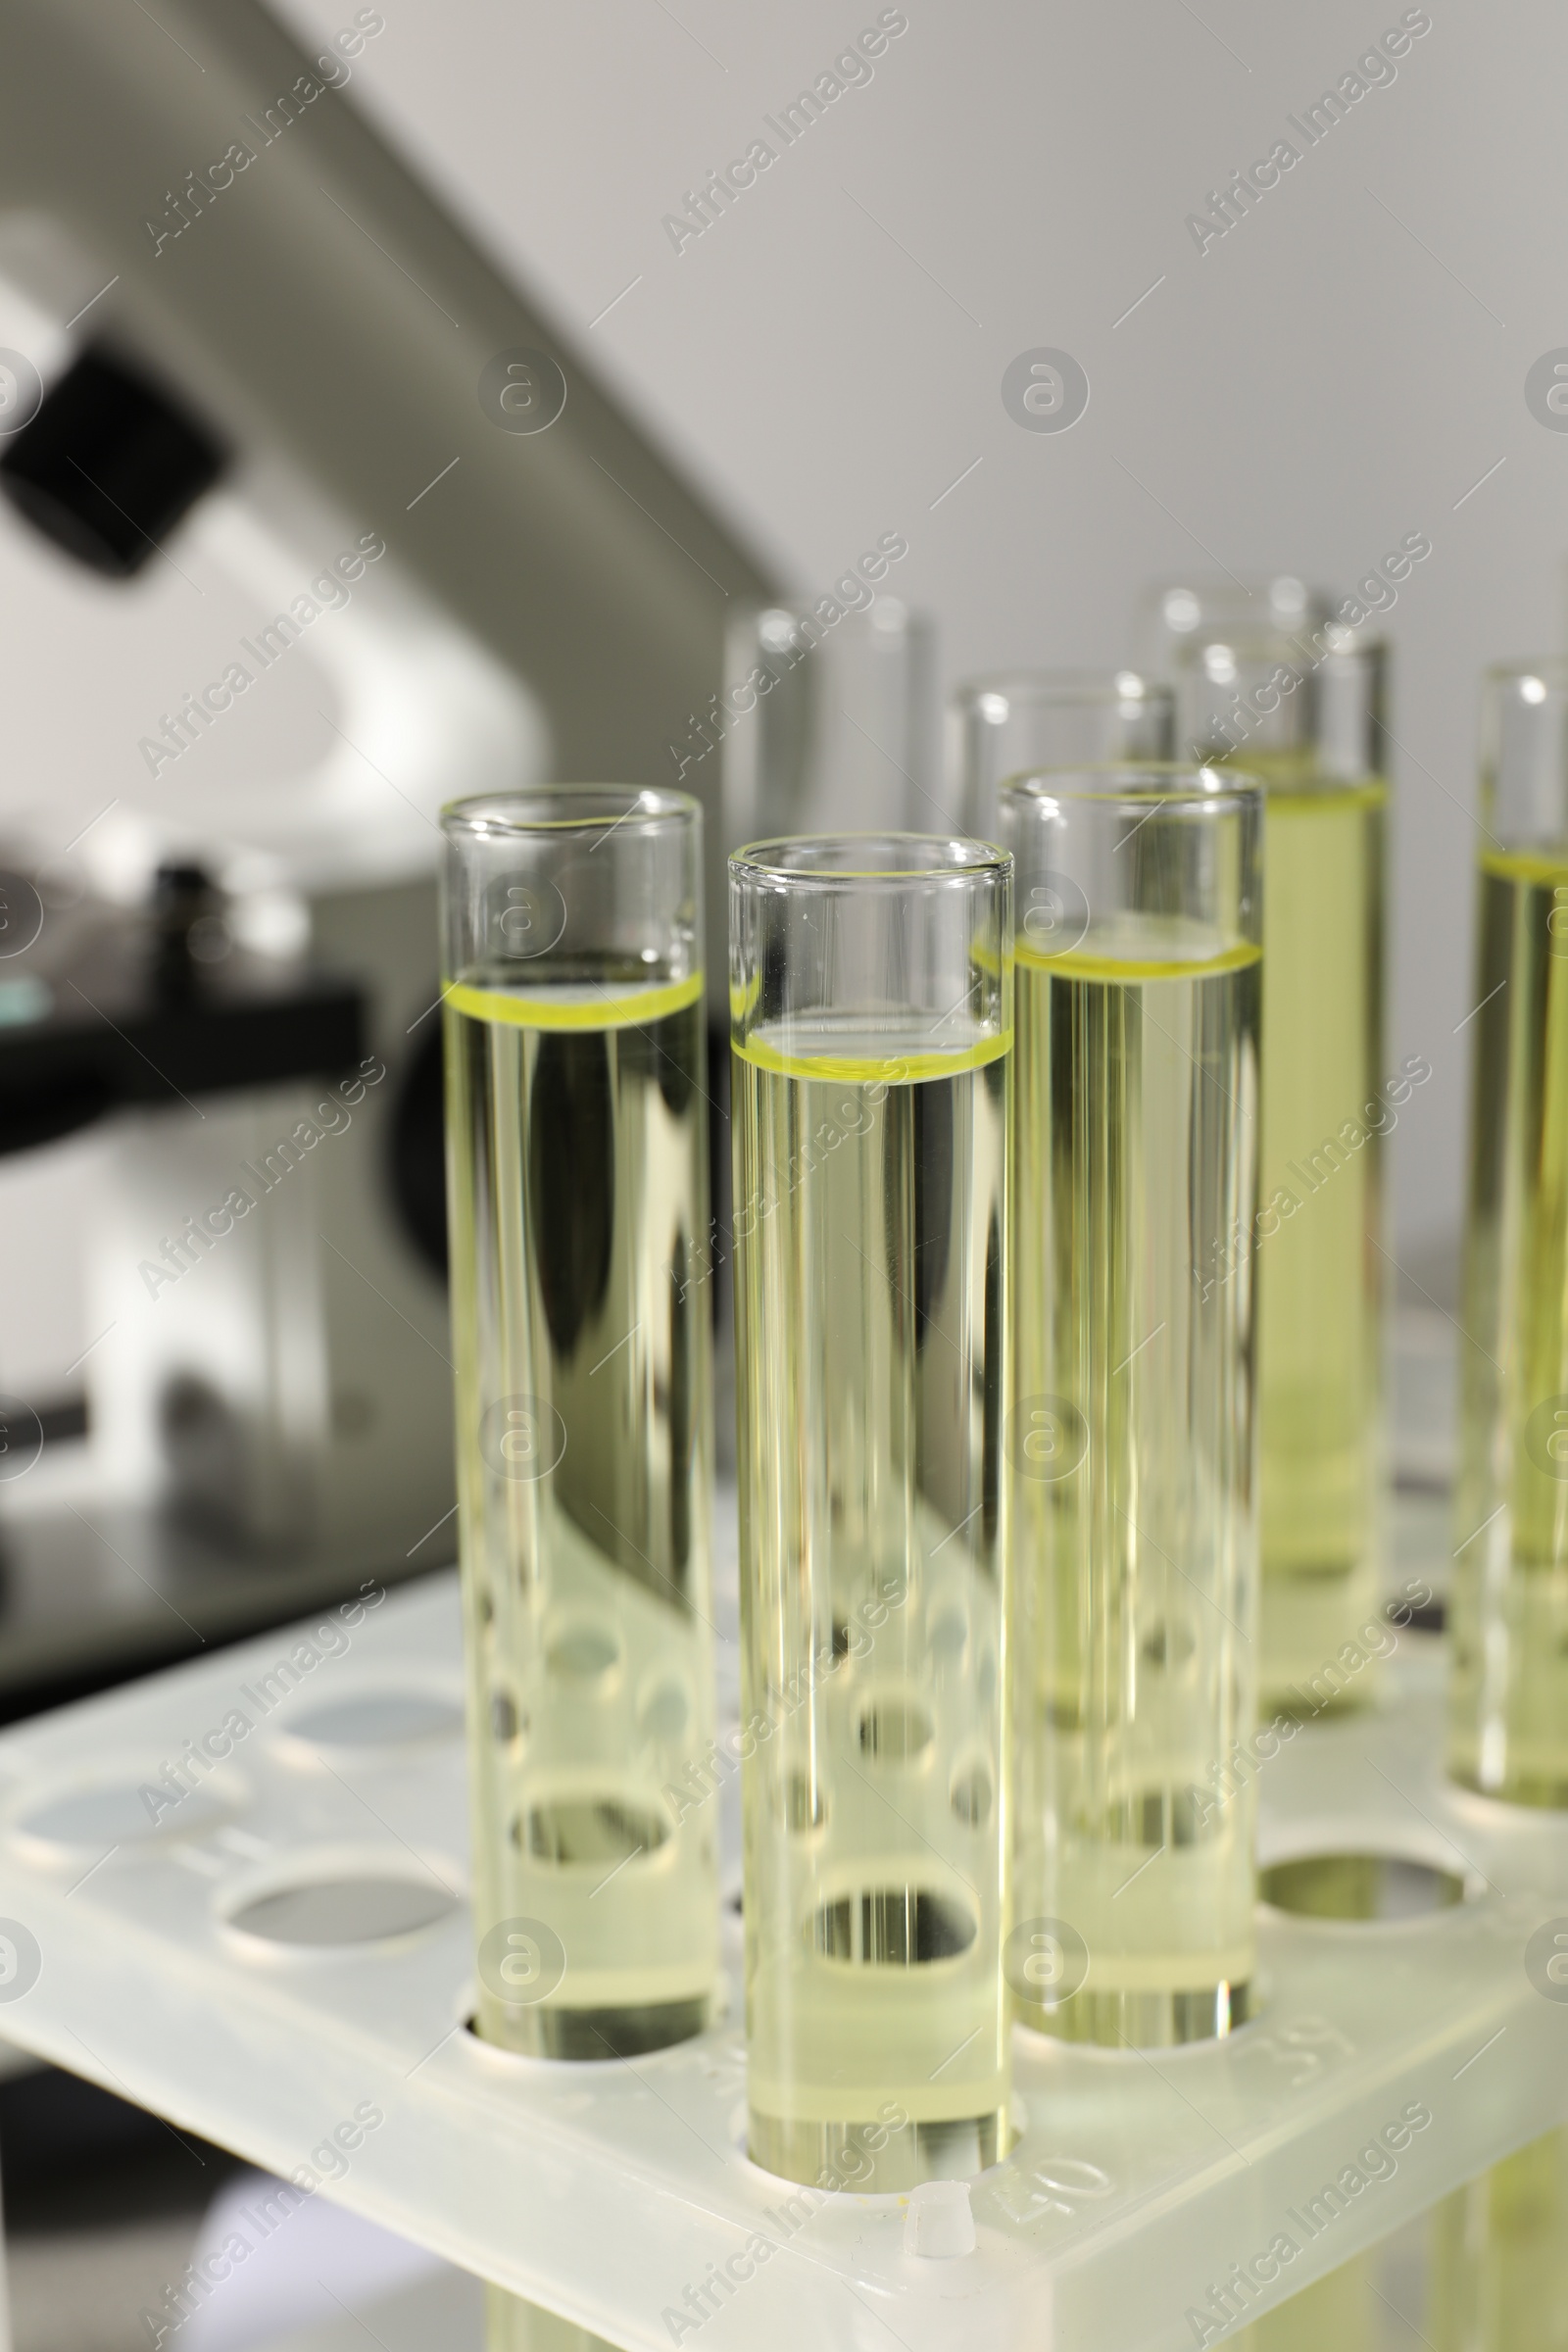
(512, 2325)
(1318, 1274)
(1509, 1697)
(578, 1181)
(1343, 2312)
(869, 1346)
(1132, 1462)
(1485, 2270)
(1501, 2260)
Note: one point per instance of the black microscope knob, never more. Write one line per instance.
(108, 464)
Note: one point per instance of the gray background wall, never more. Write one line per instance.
(1341, 370)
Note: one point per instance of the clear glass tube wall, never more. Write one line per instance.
(1194, 610)
(829, 716)
(578, 1176)
(871, 997)
(1509, 1700)
(1130, 1445)
(1307, 719)
(997, 726)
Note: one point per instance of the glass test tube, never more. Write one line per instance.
(999, 726)
(1130, 1446)
(513, 2325)
(871, 997)
(1500, 2256)
(829, 719)
(1190, 612)
(1307, 719)
(1508, 1722)
(1482, 2270)
(577, 1175)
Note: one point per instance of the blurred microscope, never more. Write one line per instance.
(250, 331)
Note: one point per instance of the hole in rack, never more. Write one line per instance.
(664, 1712)
(1365, 1889)
(388, 1718)
(1167, 1642)
(896, 1927)
(1149, 1819)
(93, 1816)
(582, 1651)
(948, 1634)
(321, 1913)
(804, 1806)
(590, 1828)
(591, 2036)
(895, 1731)
(973, 1794)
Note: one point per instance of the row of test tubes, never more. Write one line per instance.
(1058, 1262)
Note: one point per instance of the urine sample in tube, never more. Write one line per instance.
(513, 2325)
(1306, 717)
(870, 994)
(577, 1187)
(1131, 1446)
(1500, 2256)
(1509, 1720)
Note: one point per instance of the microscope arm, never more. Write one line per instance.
(323, 312)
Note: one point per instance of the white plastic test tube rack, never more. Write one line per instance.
(1139, 2185)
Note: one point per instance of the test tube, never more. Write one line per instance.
(1508, 1721)
(1306, 717)
(577, 1180)
(997, 726)
(1481, 2269)
(513, 2325)
(1188, 611)
(871, 996)
(1499, 2255)
(829, 717)
(1130, 1441)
